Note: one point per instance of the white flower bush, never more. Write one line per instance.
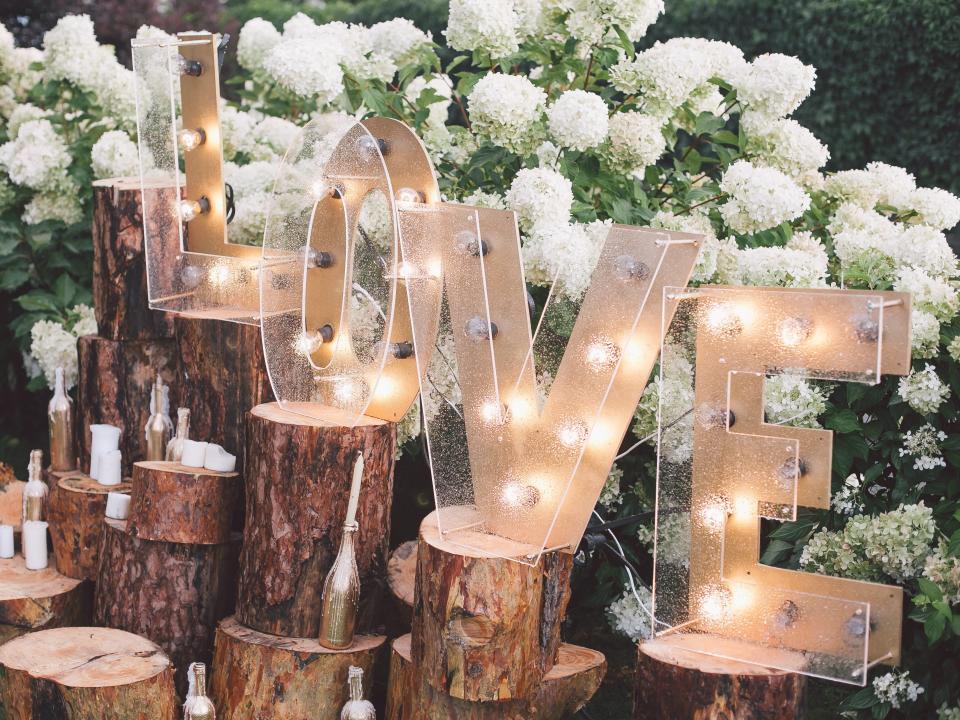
(923, 390)
(760, 198)
(539, 195)
(578, 120)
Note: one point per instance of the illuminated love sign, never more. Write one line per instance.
(722, 469)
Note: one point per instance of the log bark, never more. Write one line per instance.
(171, 593)
(401, 578)
(175, 503)
(257, 676)
(566, 688)
(673, 681)
(298, 483)
(114, 388)
(85, 674)
(222, 375)
(119, 267)
(77, 507)
(486, 627)
(40, 599)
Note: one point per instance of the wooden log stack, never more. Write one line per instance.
(32, 600)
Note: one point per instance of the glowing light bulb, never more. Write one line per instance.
(572, 433)
(715, 604)
(713, 515)
(521, 409)
(601, 434)
(191, 139)
(520, 495)
(386, 387)
(218, 275)
(742, 597)
(409, 196)
(633, 352)
(724, 320)
(435, 268)
(744, 508)
(346, 389)
(601, 354)
(189, 209)
(794, 330)
(406, 270)
(307, 343)
(491, 413)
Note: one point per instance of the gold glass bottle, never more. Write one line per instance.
(356, 707)
(63, 454)
(200, 707)
(35, 491)
(159, 425)
(175, 448)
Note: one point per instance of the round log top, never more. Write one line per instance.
(241, 633)
(85, 657)
(18, 583)
(678, 650)
(86, 484)
(469, 542)
(175, 467)
(312, 415)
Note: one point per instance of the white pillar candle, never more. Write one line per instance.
(193, 453)
(216, 458)
(118, 506)
(355, 490)
(111, 472)
(102, 439)
(6, 541)
(34, 542)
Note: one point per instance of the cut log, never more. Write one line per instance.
(119, 267)
(486, 627)
(673, 681)
(298, 483)
(401, 578)
(53, 477)
(175, 503)
(40, 599)
(77, 507)
(257, 676)
(85, 673)
(222, 376)
(114, 388)
(568, 686)
(11, 497)
(171, 593)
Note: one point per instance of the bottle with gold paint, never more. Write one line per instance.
(198, 706)
(63, 454)
(356, 707)
(35, 492)
(175, 448)
(159, 426)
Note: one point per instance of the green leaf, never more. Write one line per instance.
(860, 700)
(842, 420)
(625, 41)
(930, 589)
(934, 626)
(65, 289)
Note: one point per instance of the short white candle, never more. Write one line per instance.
(118, 506)
(6, 541)
(216, 458)
(193, 453)
(34, 542)
(102, 439)
(355, 490)
(111, 472)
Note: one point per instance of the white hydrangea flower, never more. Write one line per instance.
(953, 348)
(578, 120)
(847, 500)
(38, 158)
(115, 155)
(564, 253)
(694, 222)
(508, 109)
(896, 688)
(944, 570)
(408, 428)
(591, 20)
(540, 195)
(945, 712)
(935, 207)
(532, 19)
(489, 26)
(548, 154)
(923, 445)
(306, 68)
(24, 76)
(929, 293)
(237, 128)
(255, 177)
(784, 144)
(925, 339)
(866, 243)
(626, 616)
(853, 186)
(399, 40)
(62, 205)
(86, 322)
(22, 114)
(479, 198)
(273, 136)
(671, 394)
(790, 399)
(53, 346)
(760, 198)
(797, 266)
(7, 46)
(895, 186)
(773, 84)
(923, 390)
(636, 140)
(257, 38)
(610, 493)
(927, 249)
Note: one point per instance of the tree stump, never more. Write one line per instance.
(222, 375)
(179, 504)
(85, 673)
(77, 507)
(170, 593)
(264, 677)
(11, 497)
(114, 388)
(486, 627)
(401, 578)
(566, 688)
(297, 486)
(119, 266)
(53, 477)
(39, 599)
(673, 681)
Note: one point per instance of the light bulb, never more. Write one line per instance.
(190, 209)
(724, 320)
(407, 270)
(191, 139)
(434, 268)
(744, 508)
(347, 389)
(794, 330)
(628, 268)
(322, 189)
(520, 495)
(319, 259)
(477, 329)
(491, 413)
(467, 243)
(218, 275)
(866, 330)
(369, 145)
(572, 433)
(715, 604)
(192, 68)
(307, 342)
(409, 195)
(713, 515)
(520, 409)
(855, 627)
(787, 614)
(601, 354)
(386, 387)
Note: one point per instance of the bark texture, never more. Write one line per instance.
(401, 578)
(77, 507)
(119, 267)
(297, 486)
(175, 503)
(485, 627)
(568, 686)
(674, 682)
(264, 677)
(114, 389)
(39, 599)
(11, 498)
(222, 374)
(85, 673)
(170, 593)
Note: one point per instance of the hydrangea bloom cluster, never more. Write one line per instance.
(789, 399)
(848, 500)
(578, 120)
(773, 84)
(943, 569)
(896, 688)
(591, 20)
(628, 617)
(786, 145)
(636, 140)
(759, 198)
(923, 390)
(565, 254)
(610, 494)
(923, 445)
(54, 344)
(539, 195)
(491, 27)
(115, 155)
(802, 263)
(508, 109)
